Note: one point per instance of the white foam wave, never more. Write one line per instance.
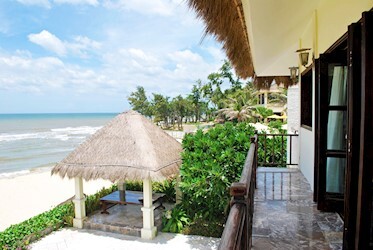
(14, 174)
(62, 134)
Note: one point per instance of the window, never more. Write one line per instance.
(261, 99)
(306, 99)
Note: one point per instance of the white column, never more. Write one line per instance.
(149, 230)
(121, 185)
(122, 189)
(79, 203)
(179, 194)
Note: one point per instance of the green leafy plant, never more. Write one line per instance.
(20, 235)
(134, 185)
(277, 125)
(205, 228)
(92, 202)
(174, 220)
(211, 162)
(275, 152)
(166, 187)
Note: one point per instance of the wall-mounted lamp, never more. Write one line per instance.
(294, 74)
(303, 56)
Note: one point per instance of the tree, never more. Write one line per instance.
(227, 73)
(139, 101)
(216, 96)
(264, 112)
(241, 104)
(161, 108)
(196, 99)
(180, 108)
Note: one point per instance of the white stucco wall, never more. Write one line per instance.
(293, 108)
(306, 158)
(293, 121)
(307, 143)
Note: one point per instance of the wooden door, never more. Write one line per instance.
(353, 134)
(331, 130)
(364, 216)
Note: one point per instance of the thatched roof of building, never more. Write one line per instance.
(264, 82)
(128, 147)
(225, 20)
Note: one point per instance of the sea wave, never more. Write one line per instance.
(13, 174)
(62, 134)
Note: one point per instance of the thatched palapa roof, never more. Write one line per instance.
(225, 20)
(128, 147)
(264, 82)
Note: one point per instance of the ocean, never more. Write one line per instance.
(31, 142)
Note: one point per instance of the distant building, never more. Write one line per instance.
(267, 97)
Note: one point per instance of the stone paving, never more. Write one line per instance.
(123, 219)
(81, 239)
(285, 216)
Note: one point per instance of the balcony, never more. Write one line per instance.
(285, 217)
(279, 213)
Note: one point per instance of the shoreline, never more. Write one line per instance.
(29, 194)
(15, 174)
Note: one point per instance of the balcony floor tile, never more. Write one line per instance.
(285, 216)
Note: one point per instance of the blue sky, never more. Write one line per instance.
(89, 55)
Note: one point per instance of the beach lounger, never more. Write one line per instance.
(128, 197)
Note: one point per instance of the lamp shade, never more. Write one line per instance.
(293, 73)
(303, 57)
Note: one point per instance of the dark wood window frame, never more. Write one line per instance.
(306, 97)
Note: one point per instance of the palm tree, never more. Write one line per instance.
(279, 98)
(241, 106)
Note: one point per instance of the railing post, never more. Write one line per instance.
(238, 191)
(237, 233)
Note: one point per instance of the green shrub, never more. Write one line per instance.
(205, 228)
(174, 220)
(134, 185)
(166, 187)
(211, 162)
(274, 153)
(277, 125)
(20, 235)
(92, 202)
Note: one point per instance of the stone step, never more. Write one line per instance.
(121, 229)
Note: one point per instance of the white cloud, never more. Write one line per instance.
(159, 51)
(158, 7)
(49, 42)
(76, 2)
(47, 3)
(41, 3)
(79, 47)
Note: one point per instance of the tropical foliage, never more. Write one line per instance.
(223, 97)
(19, 236)
(211, 162)
(175, 220)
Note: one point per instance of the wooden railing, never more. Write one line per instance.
(238, 228)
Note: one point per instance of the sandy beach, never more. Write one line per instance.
(25, 196)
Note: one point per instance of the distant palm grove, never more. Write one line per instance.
(206, 102)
